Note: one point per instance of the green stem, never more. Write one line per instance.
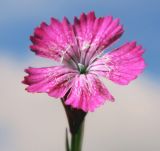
(77, 138)
(76, 118)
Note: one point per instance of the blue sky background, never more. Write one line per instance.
(141, 20)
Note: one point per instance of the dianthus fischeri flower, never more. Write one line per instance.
(79, 47)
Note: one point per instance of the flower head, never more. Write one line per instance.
(79, 47)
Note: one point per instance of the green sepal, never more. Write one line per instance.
(67, 141)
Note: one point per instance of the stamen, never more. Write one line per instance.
(82, 68)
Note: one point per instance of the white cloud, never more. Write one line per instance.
(36, 122)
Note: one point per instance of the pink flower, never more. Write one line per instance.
(80, 50)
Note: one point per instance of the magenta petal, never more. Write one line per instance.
(121, 65)
(109, 31)
(87, 93)
(95, 34)
(55, 81)
(88, 37)
(55, 41)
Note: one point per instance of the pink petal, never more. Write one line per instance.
(121, 65)
(95, 34)
(55, 41)
(87, 93)
(55, 81)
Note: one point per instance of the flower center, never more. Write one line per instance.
(81, 68)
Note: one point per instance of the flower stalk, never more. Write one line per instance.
(76, 119)
(77, 139)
